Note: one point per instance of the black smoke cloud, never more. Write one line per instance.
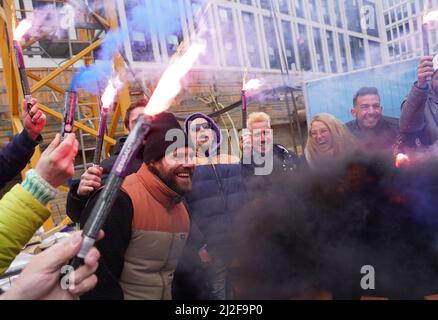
(314, 231)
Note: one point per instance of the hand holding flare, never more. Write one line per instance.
(167, 89)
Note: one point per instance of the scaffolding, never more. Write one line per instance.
(90, 35)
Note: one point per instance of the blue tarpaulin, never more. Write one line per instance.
(335, 94)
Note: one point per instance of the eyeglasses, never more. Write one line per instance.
(198, 127)
(322, 132)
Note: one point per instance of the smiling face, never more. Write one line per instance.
(321, 137)
(176, 170)
(201, 133)
(367, 111)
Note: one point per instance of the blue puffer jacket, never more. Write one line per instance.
(214, 203)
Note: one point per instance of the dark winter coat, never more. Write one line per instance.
(380, 139)
(16, 155)
(419, 115)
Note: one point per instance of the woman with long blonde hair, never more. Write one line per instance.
(329, 139)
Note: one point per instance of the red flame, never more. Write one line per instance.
(401, 160)
(110, 93)
(22, 28)
(253, 84)
(431, 16)
(170, 83)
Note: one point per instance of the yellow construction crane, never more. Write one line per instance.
(8, 20)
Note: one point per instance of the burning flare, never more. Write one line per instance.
(252, 84)
(401, 160)
(22, 28)
(170, 83)
(431, 16)
(110, 93)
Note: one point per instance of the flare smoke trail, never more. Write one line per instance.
(316, 230)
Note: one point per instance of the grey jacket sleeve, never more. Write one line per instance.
(412, 118)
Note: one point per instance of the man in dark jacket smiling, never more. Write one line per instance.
(373, 131)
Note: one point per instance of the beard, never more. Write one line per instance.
(170, 179)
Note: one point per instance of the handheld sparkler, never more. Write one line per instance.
(167, 89)
(110, 192)
(107, 100)
(244, 109)
(19, 32)
(100, 137)
(425, 34)
(70, 103)
(253, 84)
(429, 17)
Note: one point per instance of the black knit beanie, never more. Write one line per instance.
(156, 145)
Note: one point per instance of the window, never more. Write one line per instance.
(299, 8)
(387, 19)
(313, 8)
(325, 11)
(343, 51)
(252, 44)
(209, 57)
(331, 51)
(168, 28)
(396, 49)
(173, 40)
(228, 36)
(318, 49)
(140, 36)
(338, 14)
(375, 53)
(352, 14)
(405, 10)
(357, 52)
(413, 8)
(284, 8)
(289, 44)
(303, 48)
(271, 41)
(265, 4)
(415, 25)
(409, 43)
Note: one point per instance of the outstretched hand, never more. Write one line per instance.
(41, 277)
(56, 164)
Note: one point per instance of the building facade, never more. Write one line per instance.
(320, 36)
(403, 19)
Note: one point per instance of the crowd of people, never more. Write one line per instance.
(192, 222)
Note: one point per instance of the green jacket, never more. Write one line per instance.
(20, 217)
